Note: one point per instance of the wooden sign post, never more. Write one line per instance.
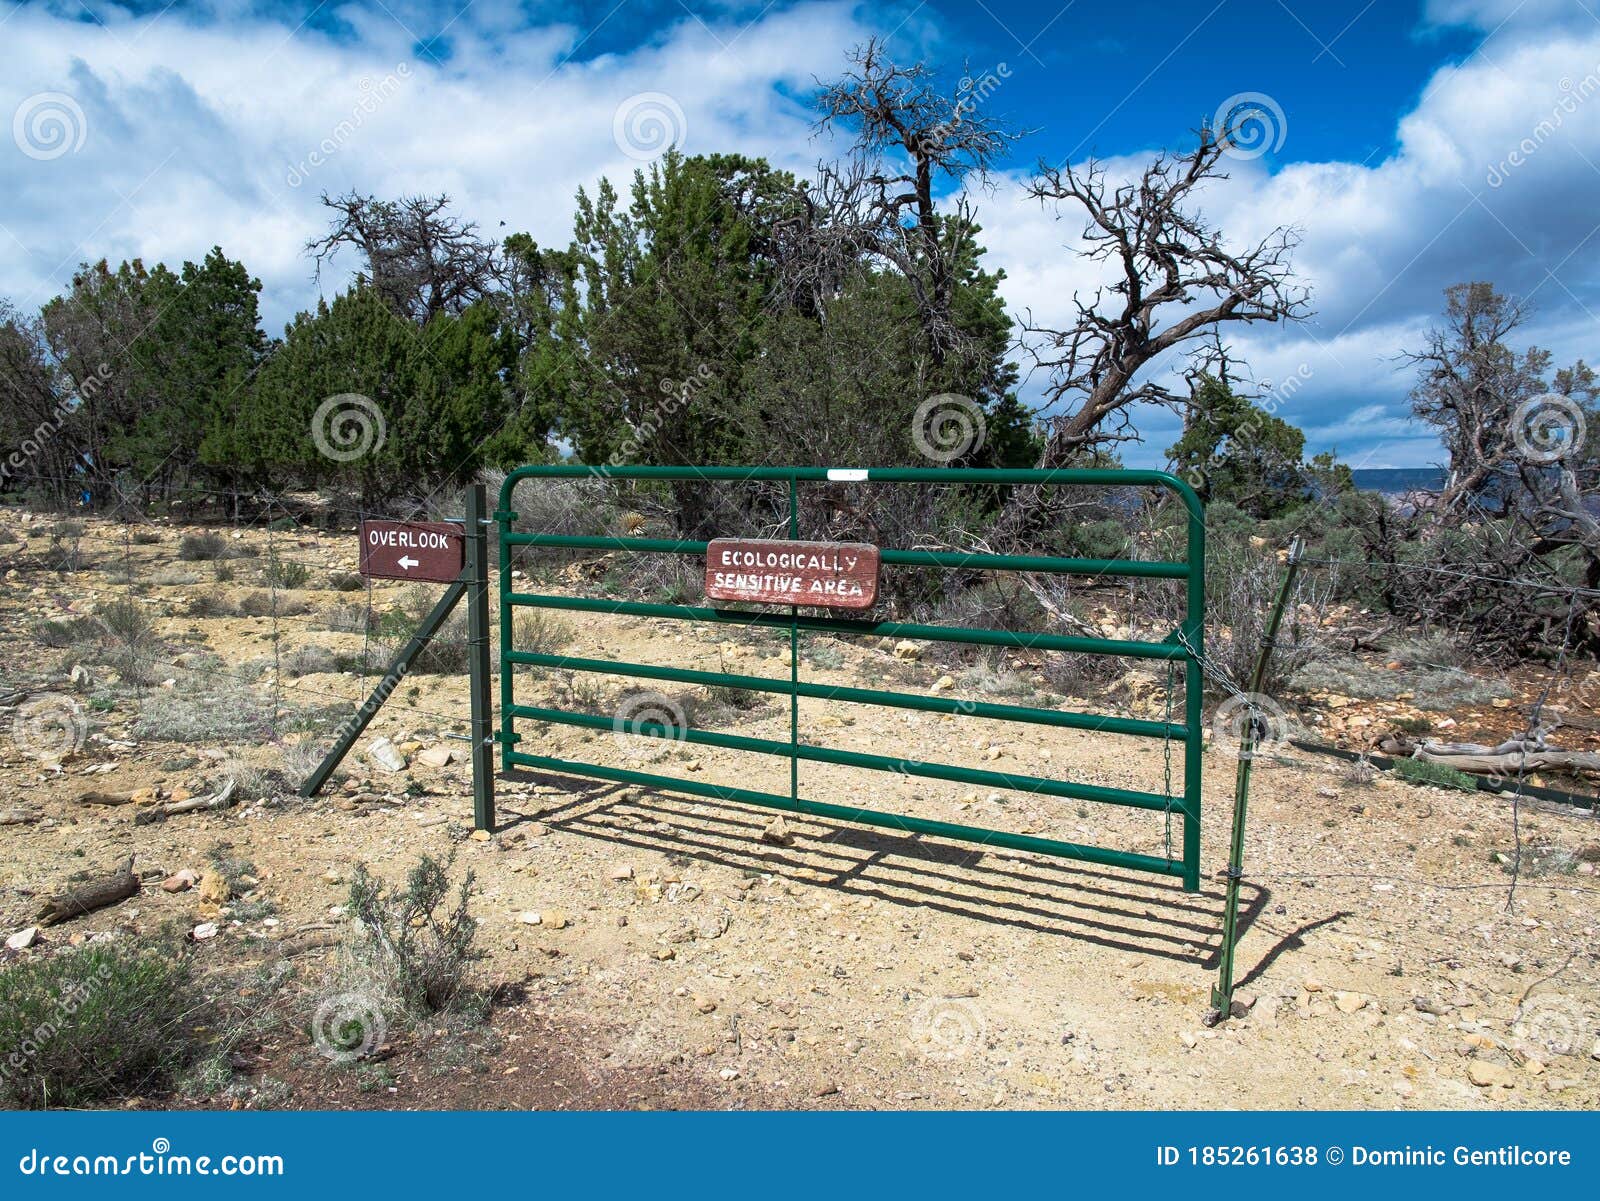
(834, 575)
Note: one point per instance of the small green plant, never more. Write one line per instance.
(124, 620)
(1440, 775)
(103, 1023)
(67, 632)
(829, 658)
(421, 940)
(279, 572)
(540, 632)
(205, 547)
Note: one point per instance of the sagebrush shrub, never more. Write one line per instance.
(106, 1022)
(203, 547)
(422, 943)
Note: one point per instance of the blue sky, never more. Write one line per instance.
(1413, 144)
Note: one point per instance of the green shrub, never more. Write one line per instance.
(540, 632)
(307, 661)
(421, 944)
(103, 1023)
(826, 656)
(279, 572)
(1440, 775)
(124, 619)
(261, 604)
(347, 581)
(67, 632)
(203, 547)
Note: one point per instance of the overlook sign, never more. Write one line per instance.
(838, 575)
(412, 550)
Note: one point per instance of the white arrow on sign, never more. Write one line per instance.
(407, 562)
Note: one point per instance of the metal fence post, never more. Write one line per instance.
(477, 581)
(1249, 737)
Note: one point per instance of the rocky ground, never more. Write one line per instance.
(655, 950)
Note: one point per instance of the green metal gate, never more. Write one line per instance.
(1183, 645)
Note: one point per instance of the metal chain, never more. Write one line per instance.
(1212, 669)
(1166, 752)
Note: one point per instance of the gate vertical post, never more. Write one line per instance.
(503, 519)
(477, 580)
(1193, 689)
(794, 657)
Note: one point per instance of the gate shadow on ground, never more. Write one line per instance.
(1147, 915)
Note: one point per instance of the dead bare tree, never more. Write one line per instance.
(1521, 483)
(1177, 286)
(422, 260)
(878, 202)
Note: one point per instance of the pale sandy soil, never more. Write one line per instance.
(855, 967)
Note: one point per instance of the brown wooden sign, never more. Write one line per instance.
(838, 575)
(412, 550)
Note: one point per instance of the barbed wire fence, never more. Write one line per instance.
(264, 562)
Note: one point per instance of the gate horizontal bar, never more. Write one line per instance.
(869, 817)
(842, 625)
(1103, 476)
(842, 758)
(1155, 569)
(1093, 722)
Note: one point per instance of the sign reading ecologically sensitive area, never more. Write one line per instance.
(837, 575)
(412, 550)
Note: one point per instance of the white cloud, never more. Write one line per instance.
(196, 133)
(1493, 178)
(203, 134)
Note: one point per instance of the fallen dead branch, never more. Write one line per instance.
(96, 894)
(105, 798)
(222, 799)
(1485, 763)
